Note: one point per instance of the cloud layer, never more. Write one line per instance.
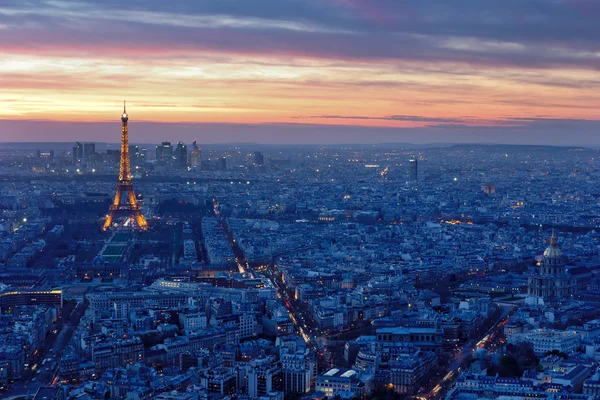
(387, 65)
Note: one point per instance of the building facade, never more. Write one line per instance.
(552, 280)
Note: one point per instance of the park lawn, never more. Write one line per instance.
(113, 250)
(121, 237)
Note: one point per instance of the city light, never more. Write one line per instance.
(333, 199)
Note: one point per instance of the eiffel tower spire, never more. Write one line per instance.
(129, 207)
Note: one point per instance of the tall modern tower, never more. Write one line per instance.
(125, 206)
(77, 153)
(259, 159)
(181, 155)
(164, 153)
(196, 156)
(413, 170)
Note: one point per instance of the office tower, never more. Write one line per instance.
(134, 154)
(259, 159)
(413, 169)
(130, 207)
(164, 153)
(143, 154)
(222, 164)
(77, 153)
(113, 157)
(89, 150)
(196, 156)
(134, 150)
(181, 155)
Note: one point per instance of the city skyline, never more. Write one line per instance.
(302, 72)
(334, 199)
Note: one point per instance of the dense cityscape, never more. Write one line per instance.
(289, 272)
(299, 200)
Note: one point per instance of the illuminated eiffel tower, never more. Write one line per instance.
(128, 208)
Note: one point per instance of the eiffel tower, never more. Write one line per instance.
(129, 208)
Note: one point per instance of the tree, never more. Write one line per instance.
(509, 367)
(526, 356)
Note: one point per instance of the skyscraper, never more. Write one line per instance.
(413, 170)
(77, 153)
(134, 154)
(181, 155)
(89, 151)
(113, 156)
(222, 164)
(259, 159)
(196, 155)
(164, 153)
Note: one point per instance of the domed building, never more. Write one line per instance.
(552, 280)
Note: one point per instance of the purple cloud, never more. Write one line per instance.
(527, 33)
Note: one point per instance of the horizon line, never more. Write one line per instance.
(455, 143)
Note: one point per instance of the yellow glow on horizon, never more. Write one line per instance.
(219, 88)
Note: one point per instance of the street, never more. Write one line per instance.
(438, 387)
(300, 319)
(45, 373)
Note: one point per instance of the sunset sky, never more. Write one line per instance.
(301, 71)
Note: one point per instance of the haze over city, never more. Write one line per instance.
(303, 71)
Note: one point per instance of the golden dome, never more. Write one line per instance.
(552, 251)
